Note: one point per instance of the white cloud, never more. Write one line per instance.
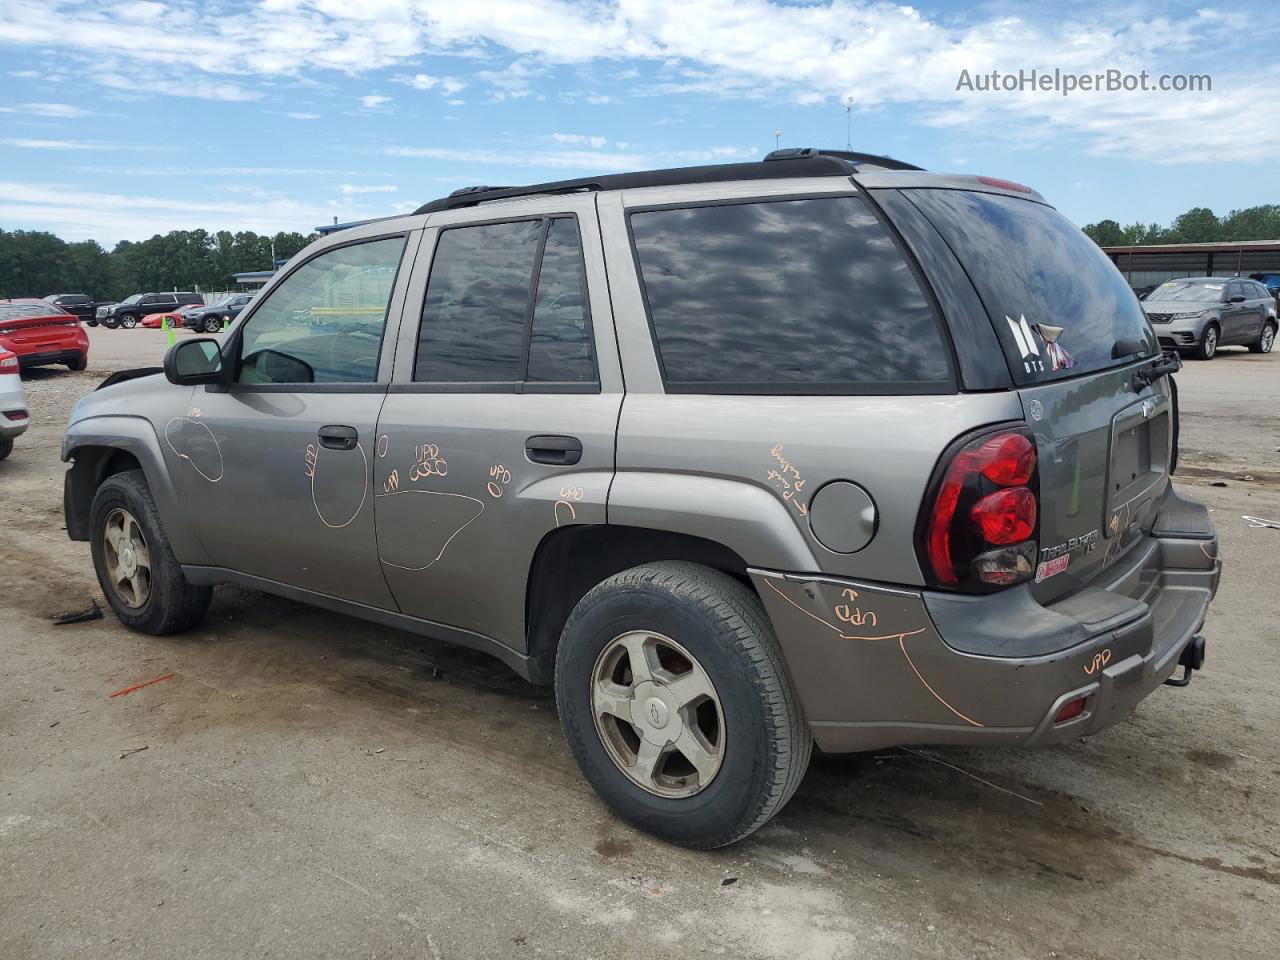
(419, 81)
(56, 110)
(596, 142)
(879, 52)
(78, 214)
(373, 101)
(350, 189)
(303, 116)
(28, 143)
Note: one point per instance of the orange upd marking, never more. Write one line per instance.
(139, 686)
(1100, 660)
(903, 647)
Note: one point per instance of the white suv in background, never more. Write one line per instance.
(13, 403)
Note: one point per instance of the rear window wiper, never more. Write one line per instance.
(1156, 368)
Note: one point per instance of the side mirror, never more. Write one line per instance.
(1236, 299)
(194, 361)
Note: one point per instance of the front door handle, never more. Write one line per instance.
(335, 437)
(555, 450)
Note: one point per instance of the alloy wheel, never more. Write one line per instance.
(126, 557)
(1210, 342)
(658, 714)
(1268, 338)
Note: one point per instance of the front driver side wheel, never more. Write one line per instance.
(674, 696)
(136, 568)
(128, 321)
(1208, 345)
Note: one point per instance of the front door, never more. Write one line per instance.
(277, 468)
(499, 426)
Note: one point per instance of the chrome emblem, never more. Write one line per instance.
(1148, 408)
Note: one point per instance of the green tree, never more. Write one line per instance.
(1105, 233)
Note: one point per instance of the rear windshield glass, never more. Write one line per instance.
(1060, 307)
(790, 296)
(1201, 291)
(18, 311)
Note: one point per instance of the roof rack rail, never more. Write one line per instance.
(814, 165)
(853, 156)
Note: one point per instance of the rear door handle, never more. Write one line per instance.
(555, 450)
(335, 437)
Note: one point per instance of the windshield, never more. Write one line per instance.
(1197, 290)
(134, 299)
(221, 301)
(1058, 304)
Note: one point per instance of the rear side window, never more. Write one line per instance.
(786, 296)
(506, 303)
(1059, 305)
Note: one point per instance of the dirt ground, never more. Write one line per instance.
(308, 785)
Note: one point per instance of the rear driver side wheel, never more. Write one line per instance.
(136, 568)
(674, 696)
(1266, 339)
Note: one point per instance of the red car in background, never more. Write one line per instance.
(39, 332)
(154, 320)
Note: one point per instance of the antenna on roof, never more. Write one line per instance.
(848, 123)
(777, 139)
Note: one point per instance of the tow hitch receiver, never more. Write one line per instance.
(1192, 659)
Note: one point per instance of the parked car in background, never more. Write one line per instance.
(80, 304)
(213, 317)
(738, 458)
(158, 320)
(130, 311)
(1269, 280)
(13, 402)
(1198, 315)
(40, 333)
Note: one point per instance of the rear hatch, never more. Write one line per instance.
(1073, 335)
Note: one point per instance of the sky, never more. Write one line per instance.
(122, 120)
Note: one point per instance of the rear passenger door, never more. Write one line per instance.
(498, 429)
(1237, 317)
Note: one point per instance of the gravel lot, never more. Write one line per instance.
(308, 785)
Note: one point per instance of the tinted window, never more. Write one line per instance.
(797, 295)
(324, 322)
(473, 321)
(560, 338)
(1057, 302)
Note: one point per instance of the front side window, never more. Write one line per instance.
(324, 322)
(506, 303)
(797, 296)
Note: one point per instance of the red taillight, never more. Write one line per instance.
(16, 414)
(1006, 516)
(981, 524)
(8, 363)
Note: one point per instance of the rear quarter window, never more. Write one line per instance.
(786, 296)
(1058, 304)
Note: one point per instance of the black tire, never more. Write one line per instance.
(1207, 348)
(92, 323)
(111, 323)
(128, 321)
(212, 324)
(6, 447)
(173, 604)
(723, 625)
(78, 364)
(1266, 338)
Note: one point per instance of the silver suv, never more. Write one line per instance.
(819, 450)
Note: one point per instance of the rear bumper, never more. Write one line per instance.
(45, 356)
(874, 668)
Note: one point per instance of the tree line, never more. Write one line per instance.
(1197, 225)
(36, 264)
